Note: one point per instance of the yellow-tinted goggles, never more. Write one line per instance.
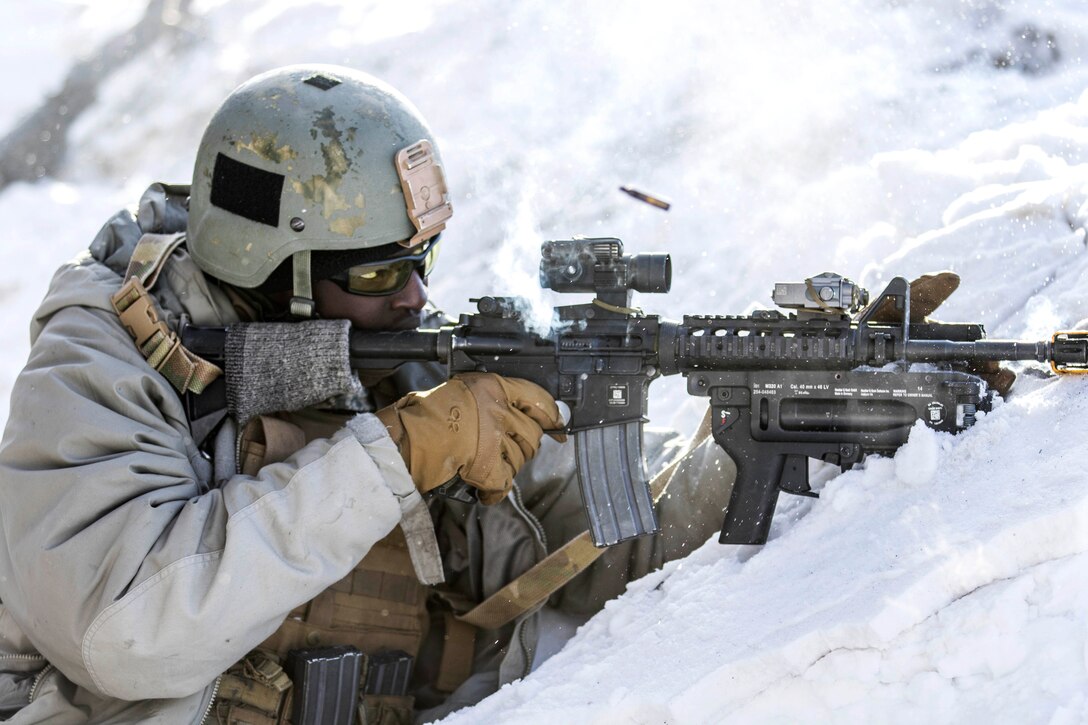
(386, 278)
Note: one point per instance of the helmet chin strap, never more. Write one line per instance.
(302, 303)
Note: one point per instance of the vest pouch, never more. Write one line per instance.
(254, 691)
(259, 691)
(386, 710)
(380, 606)
(326, 684)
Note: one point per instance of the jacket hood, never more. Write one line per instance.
(91, 278)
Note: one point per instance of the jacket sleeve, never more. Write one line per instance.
(128, 571)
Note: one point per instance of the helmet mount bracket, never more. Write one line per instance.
(425, 194)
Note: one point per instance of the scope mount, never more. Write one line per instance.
(598, 265)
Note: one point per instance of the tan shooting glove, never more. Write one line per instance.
(927, 293)
(480, 426)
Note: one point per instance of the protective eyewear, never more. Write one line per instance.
(390, 277)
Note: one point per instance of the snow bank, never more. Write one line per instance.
(945, 584)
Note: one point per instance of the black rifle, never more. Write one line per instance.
(782, 388)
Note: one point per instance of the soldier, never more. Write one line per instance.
(160, 564)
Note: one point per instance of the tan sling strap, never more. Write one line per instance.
(140, 314)
(548, 576)
(458, 650)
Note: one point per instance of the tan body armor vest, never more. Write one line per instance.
(380, 606)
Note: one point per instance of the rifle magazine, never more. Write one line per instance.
(615, 487)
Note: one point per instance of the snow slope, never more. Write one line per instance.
(946, 584)
(876, 139)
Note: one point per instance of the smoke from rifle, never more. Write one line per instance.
(516, 265)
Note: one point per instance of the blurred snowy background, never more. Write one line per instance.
(874, 138)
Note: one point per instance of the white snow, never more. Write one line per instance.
(873, 138)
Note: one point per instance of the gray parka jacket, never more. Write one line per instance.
(131, 576)
(136, 575)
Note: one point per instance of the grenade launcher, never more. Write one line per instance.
(826, 381)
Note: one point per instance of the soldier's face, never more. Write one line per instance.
(399, 311)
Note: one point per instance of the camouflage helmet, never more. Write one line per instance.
(311, 159)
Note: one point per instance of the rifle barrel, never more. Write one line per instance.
(405, 345)
(978, 351)
(368, 349)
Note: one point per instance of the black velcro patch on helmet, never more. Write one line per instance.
(321, 81)
(247, 191)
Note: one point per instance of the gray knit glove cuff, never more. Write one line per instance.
(274, 366)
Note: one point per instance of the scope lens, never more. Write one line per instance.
(650, 273)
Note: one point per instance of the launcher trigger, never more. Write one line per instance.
(794, 477)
